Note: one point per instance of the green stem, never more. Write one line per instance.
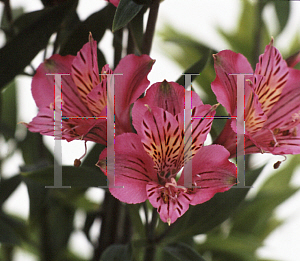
(117, 44)
(110, 219)
(148, 36)
(150, 249)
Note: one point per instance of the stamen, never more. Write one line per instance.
(275, 142)
(277, 164)
(77, 162)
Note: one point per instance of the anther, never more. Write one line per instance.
(77, 162)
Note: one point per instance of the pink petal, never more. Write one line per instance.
(288, 104)
(97, 98)
(254, 115)
(43, 86)
(202, 118)
(212, 172)
(293, 60)
(129, 87)
(162, 140)
(225, 86)
(133, 169)
(275, 75)
(168, 208)
(85, 71)
(166, 95)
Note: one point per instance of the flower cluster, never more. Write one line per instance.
(151, 148)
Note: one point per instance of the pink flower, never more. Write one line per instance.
(84, 93)
(272, 102)
(148, 163)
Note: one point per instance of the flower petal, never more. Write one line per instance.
(85, 71)
(288, 104)
(169, 209)
(133, 169)
(212, 172)
(97, 98)
(275, 72)
(42, 86)
(202, 118)
(225, 86)
(129, 87)
(166, 95)
(162, 140)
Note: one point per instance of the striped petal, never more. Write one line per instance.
(275, 75)
(212, 172)
(171, 202)
(225, 85)
(129, 87)
(166, 95)
(85, 71)
(133, 169)
(162, 139)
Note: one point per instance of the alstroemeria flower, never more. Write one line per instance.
(84, 93)
(148, 163)
(272, 102)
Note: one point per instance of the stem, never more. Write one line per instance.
(130, 41)
(110, 219)
(117, 44)
(257, 33)
(8, 13)
(148, 36)
(150, 249)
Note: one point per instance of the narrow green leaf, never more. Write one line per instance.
(182, 252)
(71, 176)
(19, 52)
(8, 186)
(117, 252)
(126, 11)
(283, 11)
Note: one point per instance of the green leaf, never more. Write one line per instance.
(19, 52)
(204, 217)
(195, 68)
(238, 247)
(136, 29)
(182, 252)
(39, 156)
(273, 192)
(283, 11)
(71, 176)
(8, 186)
(126, 11)
(97, 24)
(9, 111)
(116, 252)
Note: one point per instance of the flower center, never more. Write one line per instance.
(171, 191)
